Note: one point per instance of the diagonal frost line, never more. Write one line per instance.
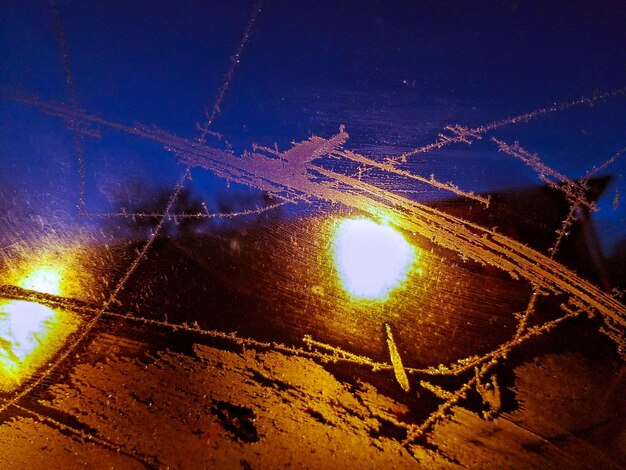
(82, 435)
(71, 86)
(467, 135)
(480, 244)
(177, 189)
(168, 140)
(333, 353)
(89, 325)
(607, 163)
(573, 189)
(228, 77)
(431, 181)
(290, 175)
(185, 215)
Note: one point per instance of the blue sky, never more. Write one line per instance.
(394, 73)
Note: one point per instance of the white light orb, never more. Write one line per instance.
(372, 259)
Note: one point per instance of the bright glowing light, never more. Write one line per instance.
(30, 333)
(372, 259)
(46, 279)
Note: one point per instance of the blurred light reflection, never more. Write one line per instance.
(31, 333)
(371, 259)
(46, 279)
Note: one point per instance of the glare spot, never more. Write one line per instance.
(21, 324)
(31, 333)
(371, 259)
(46, 279)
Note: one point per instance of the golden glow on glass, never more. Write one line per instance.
(30, 333)
(372, 259)
(45, 279)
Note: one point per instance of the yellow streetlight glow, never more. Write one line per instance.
(31, 333)
(45, 279)
(371, 259)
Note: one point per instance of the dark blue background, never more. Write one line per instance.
(394, 73)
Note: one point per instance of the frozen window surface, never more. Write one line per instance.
(285, 236)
